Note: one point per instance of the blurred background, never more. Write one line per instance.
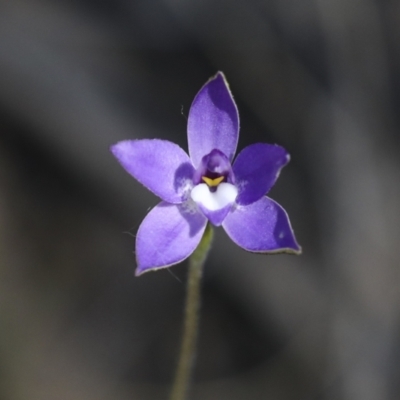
(319, 77)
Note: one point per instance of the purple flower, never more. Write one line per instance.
(205, 186)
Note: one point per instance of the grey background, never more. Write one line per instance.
(319, 77)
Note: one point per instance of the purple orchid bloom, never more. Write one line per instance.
(205, 186)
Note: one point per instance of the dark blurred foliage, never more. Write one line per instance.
(321, 78)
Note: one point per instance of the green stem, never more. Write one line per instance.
(190, 330)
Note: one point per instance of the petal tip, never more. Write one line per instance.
(295, 250)
(220, 75)
(139, 271)
(219, 79)
(118, 148)
(114, 148)
(142, 270)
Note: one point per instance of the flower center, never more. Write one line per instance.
(212, 182)
(213, 200)
(214, 188)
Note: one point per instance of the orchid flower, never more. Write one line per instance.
(206, 186)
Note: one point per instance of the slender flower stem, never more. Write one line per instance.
(190, 330)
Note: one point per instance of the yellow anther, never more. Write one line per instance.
(212, 182)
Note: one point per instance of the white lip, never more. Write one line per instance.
(224, 195)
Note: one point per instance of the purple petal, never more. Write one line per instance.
(256, 169)
(261, 227)
(168, 235)
(213, 121)
(162, 166)
(216, 217)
